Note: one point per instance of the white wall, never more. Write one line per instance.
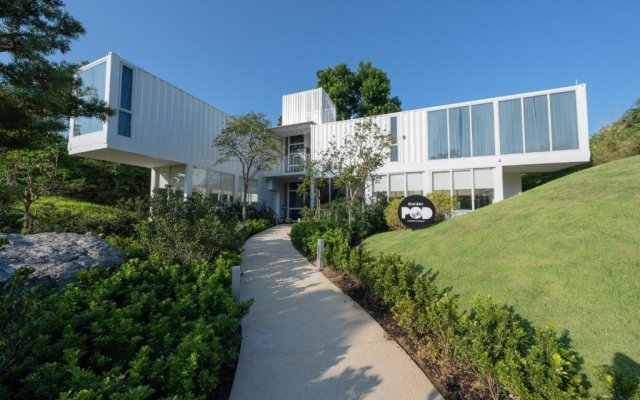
(309, 106)
(512, 184)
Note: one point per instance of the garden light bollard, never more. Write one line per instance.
(235, 282)
(320, 249)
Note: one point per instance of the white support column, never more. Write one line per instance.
(498, 185)
(188, 180)
(154, 180)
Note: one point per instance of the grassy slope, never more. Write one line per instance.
(566, 253)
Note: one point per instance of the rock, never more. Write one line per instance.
(57, 257)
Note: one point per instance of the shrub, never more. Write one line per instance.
(188, 230)
(391, 216)
(443, 204)
(149, 329)
(250, 227)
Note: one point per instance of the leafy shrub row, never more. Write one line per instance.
(507, 357)
(164, 325)
(250, 227)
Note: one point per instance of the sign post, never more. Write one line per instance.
(416, 212)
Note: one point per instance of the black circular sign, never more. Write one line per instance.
(416, 212)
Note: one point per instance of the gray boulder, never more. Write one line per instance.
(56, 257)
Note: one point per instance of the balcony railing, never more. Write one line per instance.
(292, 163)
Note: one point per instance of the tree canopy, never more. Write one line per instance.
(362, 93)
(38, 95)
(248, 140)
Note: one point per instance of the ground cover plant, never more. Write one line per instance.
(164, 325)
(566, 253)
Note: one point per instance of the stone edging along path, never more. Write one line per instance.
(305, 339)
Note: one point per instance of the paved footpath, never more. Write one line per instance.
(305, 339)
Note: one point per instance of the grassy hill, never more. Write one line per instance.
(566, 253)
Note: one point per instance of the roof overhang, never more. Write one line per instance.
(302, 128)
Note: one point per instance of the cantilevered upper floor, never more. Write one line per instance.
(156, 124)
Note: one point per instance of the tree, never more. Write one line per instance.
(32, 174)
(354, 160)
(312, 180)
(364, 93)
(618, 140)
(38, 95)
(249, 140)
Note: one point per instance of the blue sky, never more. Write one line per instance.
(244, 55)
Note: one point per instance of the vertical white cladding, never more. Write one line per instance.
(167, 124)
(309, 106)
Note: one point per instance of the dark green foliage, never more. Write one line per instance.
(391, 216)
(535, 179)
(121, 221)
(188, 230)
(252, 226)
(148, 330)
(507, 357)
(618, 140)
(362, 93)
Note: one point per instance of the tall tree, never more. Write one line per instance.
(362, 93)
(354, 160)
(38, 95)
(249, 140)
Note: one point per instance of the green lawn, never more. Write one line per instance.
(566, 253)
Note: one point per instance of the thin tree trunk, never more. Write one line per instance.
(27, 222)
(244, 199)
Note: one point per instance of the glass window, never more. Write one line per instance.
(482, 129)
(462, 190)
(124, 123)
(510, 126)
(459, 136)
(394, 139)
(227, 188)
(295, 200)
(483, 184)
(214, 183)
(442, 182)
(252, 193)
(437, 135)
(536, 123)
(126, 86)
(199, 181)
(126, 93)
(93, 78)
(177, 178)
(380, 184)
(396, 186)
(564, 121)
(414, 183)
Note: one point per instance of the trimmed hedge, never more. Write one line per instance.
(507, 357)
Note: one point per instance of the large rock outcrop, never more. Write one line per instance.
(56, 257)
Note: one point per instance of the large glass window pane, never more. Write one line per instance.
(442, 182)
(536, 123)
(177, 178)
(459, 132)
(483, 184)
(252, 193)
(227, 188)
(510, 126)
(295, 200)
(94, 78)
(199, 181)
(437, 134)
(214, 185)
(462, 190)
(381, 184)
(564, 121)
(394, 139)
(126, 86)
(396, 189)
(414, 183)
(124, 124)
(482, 130)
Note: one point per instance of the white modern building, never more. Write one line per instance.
(475, 150)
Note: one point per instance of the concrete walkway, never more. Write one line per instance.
(305, 339)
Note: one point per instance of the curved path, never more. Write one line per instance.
(305, 339)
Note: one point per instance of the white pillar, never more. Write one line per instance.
(188, 180)
(319, 250)
(498, 186)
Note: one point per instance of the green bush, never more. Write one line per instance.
(508, 358)
(148, 330)
(188, 230)
(391, 216)
(443, 204)
(250, 227)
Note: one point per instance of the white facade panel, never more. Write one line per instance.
(308, 106)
